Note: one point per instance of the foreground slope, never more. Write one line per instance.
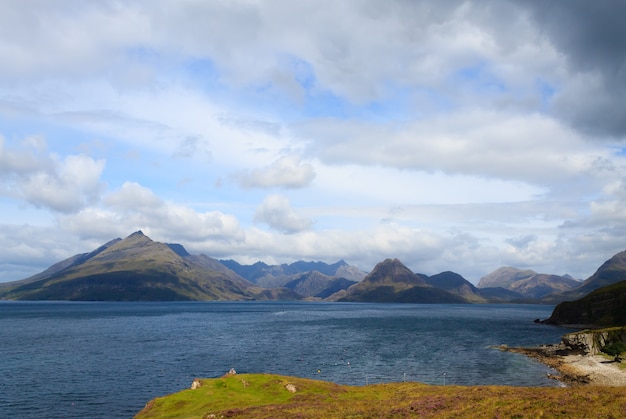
(272, 396)
(133, 269)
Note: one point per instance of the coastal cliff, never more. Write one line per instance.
(591, 342)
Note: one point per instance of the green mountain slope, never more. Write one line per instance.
(605, 306)
(133, 269)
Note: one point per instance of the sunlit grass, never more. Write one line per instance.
(266, 396)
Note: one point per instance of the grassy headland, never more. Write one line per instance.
(274, 396)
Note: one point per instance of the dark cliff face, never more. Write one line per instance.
(603, 307)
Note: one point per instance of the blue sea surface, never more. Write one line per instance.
(107, 360)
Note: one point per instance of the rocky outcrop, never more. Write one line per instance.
(591, 342)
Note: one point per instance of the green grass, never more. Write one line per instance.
(266, 396)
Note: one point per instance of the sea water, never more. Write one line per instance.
(107, 360)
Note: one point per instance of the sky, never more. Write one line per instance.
(452, 135)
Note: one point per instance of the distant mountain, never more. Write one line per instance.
(135, 269)
(272, 276)
(504, 277)
(541, 285)
(392, 281)
(316, 284)
(527, 283)
(457, 285)
(610, 272)
(599, 301)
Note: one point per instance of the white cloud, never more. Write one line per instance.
(29, 249)
(455, 135)
(137, 207)
(531, 148)
(287, 172)
(276, 212)
(45, 180)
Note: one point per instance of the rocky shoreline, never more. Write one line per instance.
(575, 368)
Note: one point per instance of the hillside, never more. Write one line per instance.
(604, 306)
(273, 396)
(133, 269)
(392, 281)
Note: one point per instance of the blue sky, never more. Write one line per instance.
(454, 135)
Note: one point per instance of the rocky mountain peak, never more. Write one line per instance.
(393, 271)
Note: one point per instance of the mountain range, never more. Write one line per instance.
(528, 284)
(139, 269)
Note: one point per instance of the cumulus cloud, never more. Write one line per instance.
(532, 148)
(276, 212)
(137, 207)
(46, 180)
(457, 134)
(286, 172)
(523, 52)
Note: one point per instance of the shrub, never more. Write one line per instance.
(615, 349)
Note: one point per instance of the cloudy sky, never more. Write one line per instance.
(453, 135)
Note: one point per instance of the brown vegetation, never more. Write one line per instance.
(266, 396)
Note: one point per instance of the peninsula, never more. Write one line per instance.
(273, 396)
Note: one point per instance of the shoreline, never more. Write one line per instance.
(574, 368)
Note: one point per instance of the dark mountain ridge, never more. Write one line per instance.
(392, 281)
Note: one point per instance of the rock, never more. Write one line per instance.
(591, 342)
